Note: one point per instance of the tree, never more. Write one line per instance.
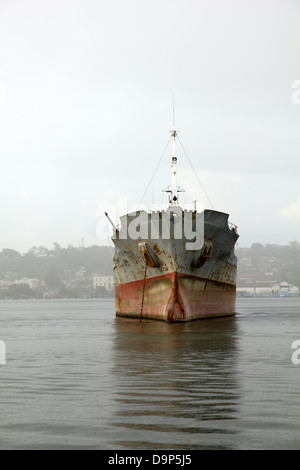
(52, 278)
(20, 291)
(9, 254)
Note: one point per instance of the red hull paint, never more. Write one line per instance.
(175, 297)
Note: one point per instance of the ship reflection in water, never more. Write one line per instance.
(175, 384)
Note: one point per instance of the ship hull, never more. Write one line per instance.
(175, 297)
(164, 279)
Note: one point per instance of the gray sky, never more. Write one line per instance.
(86, 109)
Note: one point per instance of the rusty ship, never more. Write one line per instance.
(175, 265)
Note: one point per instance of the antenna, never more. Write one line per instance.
(174, 159)
(173, 111)
(173, 189)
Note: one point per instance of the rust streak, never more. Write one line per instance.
(174, 308)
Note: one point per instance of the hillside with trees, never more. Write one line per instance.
(50, 265)
(261, 264)
(66, 271)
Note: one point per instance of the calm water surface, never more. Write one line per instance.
(77, 378)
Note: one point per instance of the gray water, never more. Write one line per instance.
(78, 378)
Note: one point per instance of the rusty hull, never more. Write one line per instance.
(160, 279)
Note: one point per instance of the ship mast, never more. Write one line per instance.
(174, 161)
(173, 189)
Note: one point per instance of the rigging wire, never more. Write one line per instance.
(155, 171)
(195, 173)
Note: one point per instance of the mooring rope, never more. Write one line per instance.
(144, 286)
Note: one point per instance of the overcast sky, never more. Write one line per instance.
(86, 108)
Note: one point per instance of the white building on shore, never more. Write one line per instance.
(32, 283)
(284, 289)
(103, 281)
